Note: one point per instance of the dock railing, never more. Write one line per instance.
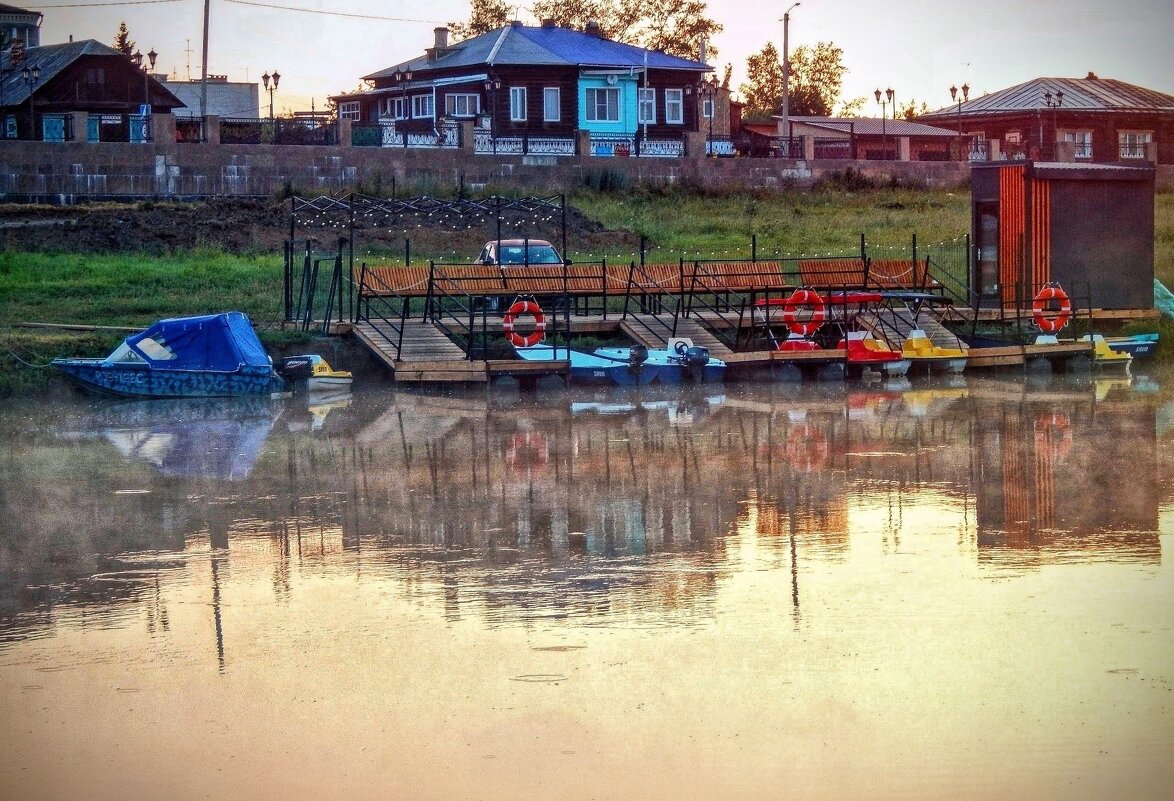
(653, 291)
(385, 308)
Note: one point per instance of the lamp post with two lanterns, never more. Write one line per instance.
(265, 78)
(492, 84)
(402, 77)
(962, 98)
(145, 68)
(883, 99)
(1054, 102)
(30, 75)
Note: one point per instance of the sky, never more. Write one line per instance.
(919, 48)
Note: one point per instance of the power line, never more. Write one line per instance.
(328, 13)
(119, 3)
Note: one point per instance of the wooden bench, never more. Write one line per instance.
(854, 274)
(746, 277)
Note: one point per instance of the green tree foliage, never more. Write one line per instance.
(853, 107)
(817, 75)
(484, 16)
(911, 111)
(122, 42)
(672, 26)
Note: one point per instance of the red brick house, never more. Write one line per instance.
(1086, 119)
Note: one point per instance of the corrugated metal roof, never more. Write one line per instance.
(52, 59)
(869, 126)
(522, 45)
(1086, 94)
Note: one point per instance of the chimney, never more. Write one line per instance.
(548, 23)
(592, 29)
(441, 35)
(1092, 76)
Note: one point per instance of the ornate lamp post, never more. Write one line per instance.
(961, 99)
(31, 75)
(402, 77)
(709, 103)
(1054, 102)
(276, 76)
(491, 86)
(137, 58)
(884, 117)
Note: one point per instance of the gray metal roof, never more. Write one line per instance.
(1085, 94)
(52, 59)
(524, 46)
(869, 126)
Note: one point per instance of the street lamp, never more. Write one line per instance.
(402, 77)
(888, 94)
(1054, 102)
(491, 87)
(137, 58)
(961, 99)
(276, 76)
(784, 123)
(709, 104)
(31, 75)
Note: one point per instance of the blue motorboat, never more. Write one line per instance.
(1138, 345)
(210, 356)
(633, 366)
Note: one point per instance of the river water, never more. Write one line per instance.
(956, 590)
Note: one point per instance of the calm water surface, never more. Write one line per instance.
(929, 590)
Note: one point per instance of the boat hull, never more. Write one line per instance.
(142, 381)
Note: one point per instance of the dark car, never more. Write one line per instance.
(515, 252)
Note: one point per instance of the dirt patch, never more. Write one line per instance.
(249, 225)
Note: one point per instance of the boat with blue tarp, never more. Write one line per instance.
(208, 356)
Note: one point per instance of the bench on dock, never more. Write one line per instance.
(875, 274)
(751, 277)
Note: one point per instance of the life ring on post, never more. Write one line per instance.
(1051, 309)
(517, 338)
(804, 312)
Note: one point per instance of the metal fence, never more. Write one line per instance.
(277, 131)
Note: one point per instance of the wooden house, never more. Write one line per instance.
(1090, 119)
(541, 86)
(45, 91)
(1089, 227)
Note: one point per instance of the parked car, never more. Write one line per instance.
(515, 252)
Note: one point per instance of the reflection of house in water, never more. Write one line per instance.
(1051, 477)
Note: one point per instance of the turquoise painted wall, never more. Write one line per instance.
(627, 86)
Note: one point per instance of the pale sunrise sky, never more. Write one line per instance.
(918, 47)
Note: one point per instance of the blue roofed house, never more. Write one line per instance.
(540, 90)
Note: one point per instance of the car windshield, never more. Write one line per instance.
(539, 254)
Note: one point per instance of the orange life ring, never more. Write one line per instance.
(804, 312)
(1051, 309)
(527, 450)
(516, 338)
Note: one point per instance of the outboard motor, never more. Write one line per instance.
(296, 368)
(637, 355)
(696, 356)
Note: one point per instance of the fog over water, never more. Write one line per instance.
(951, 589)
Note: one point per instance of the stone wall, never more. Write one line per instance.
(74, 171)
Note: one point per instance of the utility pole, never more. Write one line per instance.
(204, 71)
(784, 124)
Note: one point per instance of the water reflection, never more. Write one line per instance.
(518, 509)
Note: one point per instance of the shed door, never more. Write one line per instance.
(987, 279)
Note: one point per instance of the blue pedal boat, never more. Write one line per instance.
(210, 356)
(636, 366)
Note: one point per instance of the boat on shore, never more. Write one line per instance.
(207, 356)
(1138, 345)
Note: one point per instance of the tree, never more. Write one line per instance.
(675, 27)
(484, 16)
(911, 111)
(122, 42)
(817, 75)
(763, 92)
(852, 108)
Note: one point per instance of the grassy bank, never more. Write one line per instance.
(133, 289)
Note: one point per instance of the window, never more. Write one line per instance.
(1082, 140)
(348, 110)
(467, 105)
(1012, 138)
(1131, 144)
(399, 109)
(95, 75)
(603, 105)
(674, 106)
(647, 105)
(517, 103)
(551, 104)
(707, 107)
(422, 106)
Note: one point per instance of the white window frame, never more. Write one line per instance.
(1082, 139)
(708, 108)
(423, 106)
(349, 110)
(591, 104)
(462, 104)
(646, 106)
(517, 104)
(1131, 144)
(552, 109)
(674, 99)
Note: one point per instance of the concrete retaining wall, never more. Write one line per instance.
(72, 172)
